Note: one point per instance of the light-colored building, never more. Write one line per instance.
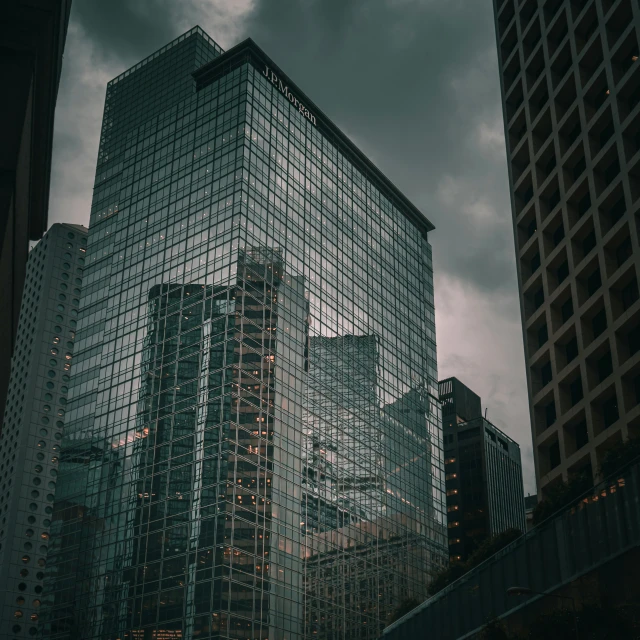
(33, 422)
(570, 80)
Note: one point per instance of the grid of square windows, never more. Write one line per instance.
(571, 91)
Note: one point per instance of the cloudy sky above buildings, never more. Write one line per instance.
(414, 83)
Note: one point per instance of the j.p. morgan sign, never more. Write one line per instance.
(284, 89)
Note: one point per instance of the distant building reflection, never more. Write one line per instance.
(198, 524)
(367, 498)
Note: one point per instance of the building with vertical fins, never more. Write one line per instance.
(570, 81)
(253, 443)
(34, 417)
(483, 473)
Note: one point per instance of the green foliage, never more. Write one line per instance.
(446, 576)
(492, 545)
(487, 548)
(556, 625)
(562, 495)
(402, 609)
(620, 455)
(495, 629)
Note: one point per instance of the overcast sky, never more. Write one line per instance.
(414, 83)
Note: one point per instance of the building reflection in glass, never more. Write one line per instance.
(343, 442)
(367, 498)
(206, 468)
(254, 395)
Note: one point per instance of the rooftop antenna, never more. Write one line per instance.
(485, 412)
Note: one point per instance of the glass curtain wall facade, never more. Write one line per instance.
(253, 446)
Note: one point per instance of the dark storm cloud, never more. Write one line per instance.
(126, 30)
(104, 39)
(414, 84)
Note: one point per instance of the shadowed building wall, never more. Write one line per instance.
(32, 37)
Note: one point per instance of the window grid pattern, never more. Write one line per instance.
(571, 91)
(253, 446)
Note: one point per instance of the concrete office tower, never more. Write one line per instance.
(483, 473)
(33, 421)
(570, 80)
(244, 257)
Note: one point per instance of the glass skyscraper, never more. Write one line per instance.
(253, 447)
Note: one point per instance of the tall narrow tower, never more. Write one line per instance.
(33, 422)
(258, 298)
(570, 80)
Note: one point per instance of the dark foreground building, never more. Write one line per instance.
(483, 473)
(253, 446)
(586, 556)
(570, 78)
(32, 37)
(34, 418)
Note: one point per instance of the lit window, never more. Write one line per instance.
(449, 460)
